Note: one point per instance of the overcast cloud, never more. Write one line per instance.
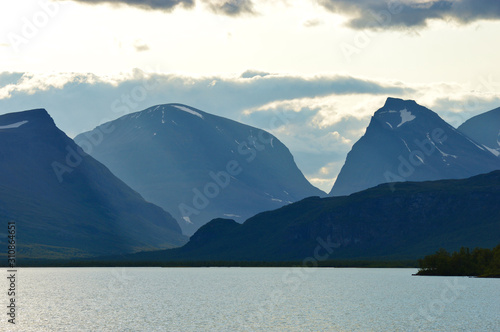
(231, 7)
(374, 14)
(165, 5)
(378, 15)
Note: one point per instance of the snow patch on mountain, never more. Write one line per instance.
(406, 116)
(409, 150)
(495, 152)
(188, 110)
(229, 215)
(444, 154)
(14, 125)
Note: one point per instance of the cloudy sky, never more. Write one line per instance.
(310, 71)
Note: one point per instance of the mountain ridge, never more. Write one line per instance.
(199, 166)
(408, 142)
(485, 129)
(400, 221)
(64, 202)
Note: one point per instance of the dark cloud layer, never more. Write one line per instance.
(224, 7)
(377, 15)
(372, 14)
(166, 5)
(231, 7)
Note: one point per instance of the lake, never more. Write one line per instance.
(250, 299)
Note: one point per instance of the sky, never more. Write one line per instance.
(312, 72)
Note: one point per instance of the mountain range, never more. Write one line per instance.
(408, 142)
(65, 203)
(198, 166)
(201, 167)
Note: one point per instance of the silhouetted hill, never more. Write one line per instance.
(400, 221)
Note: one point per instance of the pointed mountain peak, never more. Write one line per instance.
(398, 113)
(394, 103)
(408, 142)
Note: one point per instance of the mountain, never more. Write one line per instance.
(65, 203)
(198, 166)
(484, 129)
(408, 142)
(405, 220)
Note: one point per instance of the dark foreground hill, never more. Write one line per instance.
(396, 221)
(64, 203)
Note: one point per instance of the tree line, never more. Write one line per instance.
(478, 262)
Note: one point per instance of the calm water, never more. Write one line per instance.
(250, 299)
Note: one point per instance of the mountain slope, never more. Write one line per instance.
(198, 166)
(484, 129)
(404, 221)
(407, 142)
(64, 202)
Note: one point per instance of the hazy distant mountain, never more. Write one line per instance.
(407, 142)
(400, 221)
(485, 129)
(67, 204)
(198, 166)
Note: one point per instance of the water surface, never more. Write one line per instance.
(251, 299)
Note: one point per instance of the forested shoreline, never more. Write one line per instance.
(479, 262)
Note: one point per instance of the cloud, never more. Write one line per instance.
(312, 23)
(165, 5)
(141, 46)
(401, 14)
(223, 7)
(252, 73)
(231, 7)
(7, 78)
(458, 110)
(318, 131)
